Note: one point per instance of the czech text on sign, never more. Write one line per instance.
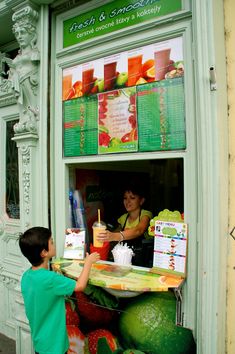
(114, 16)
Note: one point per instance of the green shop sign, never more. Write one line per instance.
(114, 16)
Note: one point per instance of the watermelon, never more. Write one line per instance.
(148, 324)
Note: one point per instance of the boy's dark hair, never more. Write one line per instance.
(32, 242)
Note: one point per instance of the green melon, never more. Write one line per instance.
(148, 324)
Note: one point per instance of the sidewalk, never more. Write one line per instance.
(7, 345)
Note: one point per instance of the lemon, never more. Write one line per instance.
(148, 324)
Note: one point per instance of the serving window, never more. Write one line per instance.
(101, 187)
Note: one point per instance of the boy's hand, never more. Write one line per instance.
(92, 258)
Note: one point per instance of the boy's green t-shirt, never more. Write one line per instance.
(43, 292)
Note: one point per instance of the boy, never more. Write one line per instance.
(43, 291)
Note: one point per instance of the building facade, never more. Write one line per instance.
(38, 169)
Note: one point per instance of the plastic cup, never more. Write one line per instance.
(134, 69)
(97, 228)
(87, 80)
(162, 58)
(67, 85)
(103, 251)
(110, 75)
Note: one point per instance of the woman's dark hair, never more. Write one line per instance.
(135, 188)
(32, 242)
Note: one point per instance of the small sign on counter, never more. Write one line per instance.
(170, 248)
(74, 247)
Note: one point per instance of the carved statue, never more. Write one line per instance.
(23, 73)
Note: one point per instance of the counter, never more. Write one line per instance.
(111, 276)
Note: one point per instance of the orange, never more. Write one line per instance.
(151, 72)
(141, 81)
(147, 65)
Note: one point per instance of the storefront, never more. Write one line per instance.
(134, 92)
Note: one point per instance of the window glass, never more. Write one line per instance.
(12, 174)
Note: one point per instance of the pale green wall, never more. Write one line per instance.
(229, 6)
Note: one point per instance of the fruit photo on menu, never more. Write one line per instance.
(154, 62)
(117, 125)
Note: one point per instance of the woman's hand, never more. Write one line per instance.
(106, 236)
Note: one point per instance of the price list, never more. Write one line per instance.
(80, 126)
(161, 115)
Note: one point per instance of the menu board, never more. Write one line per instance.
(117, 121)
(126, 102)
(170, 247)
(161, 115)
(74, 247)
(80, 126)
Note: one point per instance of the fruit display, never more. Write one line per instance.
(148, 324)
(72, 317)
(76, 340)
(92, 314)
(95, 335)
(144, 325)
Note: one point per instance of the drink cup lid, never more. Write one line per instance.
(99, 224)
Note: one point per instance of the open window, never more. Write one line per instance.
(101, 187)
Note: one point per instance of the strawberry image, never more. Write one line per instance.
(104, 139)
(126, 138)
(92, 315)
(94, 336)
(76, 340)
(71, 314)
(132, 121)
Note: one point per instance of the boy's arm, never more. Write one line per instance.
(84, 276)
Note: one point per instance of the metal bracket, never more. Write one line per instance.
(213, 84)
(179, 314)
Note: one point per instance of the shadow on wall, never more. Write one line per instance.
(7, 345)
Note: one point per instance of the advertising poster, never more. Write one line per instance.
(117, 121)
(114, 16)
(170, 247)
(155, 62)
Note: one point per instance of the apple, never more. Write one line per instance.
(122, 79)
(171, 65)
(100, 84)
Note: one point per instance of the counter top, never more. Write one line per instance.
(121, 278)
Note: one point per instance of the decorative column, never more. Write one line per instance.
(23, 75)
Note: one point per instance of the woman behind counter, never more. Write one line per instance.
(132, 224)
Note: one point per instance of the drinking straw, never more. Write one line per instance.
(99, 216)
